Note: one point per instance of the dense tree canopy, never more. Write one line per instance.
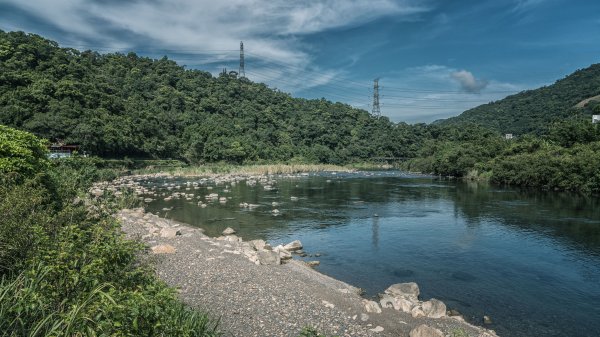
(116, 105)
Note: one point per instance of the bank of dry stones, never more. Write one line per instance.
(259, 290)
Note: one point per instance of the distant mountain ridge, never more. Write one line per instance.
(531, 111)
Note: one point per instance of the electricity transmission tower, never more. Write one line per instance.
(376, 109)
(242, 73)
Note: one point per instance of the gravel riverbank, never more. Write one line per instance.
(244, 284)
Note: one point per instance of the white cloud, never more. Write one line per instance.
(468, 82)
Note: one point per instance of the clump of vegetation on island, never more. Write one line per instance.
(65, 267)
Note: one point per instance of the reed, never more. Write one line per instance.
(264, 169)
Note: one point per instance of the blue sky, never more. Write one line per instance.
(434, 58)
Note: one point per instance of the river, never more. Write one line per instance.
(529, 260)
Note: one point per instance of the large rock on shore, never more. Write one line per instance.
(408, 291)
(258, 244)
(425, 331)
(434, 308)
(293, 246)
(268, 257)
(284, 254)
(371, 306)
(169, 233)
(399, 304)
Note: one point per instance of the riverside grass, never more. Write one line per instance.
(259, 169)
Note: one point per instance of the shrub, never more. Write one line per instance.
(22, 155)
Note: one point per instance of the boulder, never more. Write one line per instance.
(405, 305)
(169, 233)
(408, 291)
(434, 308)
(425, 331)
(247, 250)
(268, 257)
(371, 306)
(233, 238)
(258, 244)
(417, 312)
(163, 249)
(229, 231)
(388, 301)
(283, 254)
(294, 245)
(313, 263)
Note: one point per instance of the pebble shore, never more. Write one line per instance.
(261, 297)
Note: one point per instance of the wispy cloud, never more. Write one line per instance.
(208, 32)
(526, 5)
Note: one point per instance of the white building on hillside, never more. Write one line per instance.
(595, 119)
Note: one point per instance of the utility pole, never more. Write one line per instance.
(376, 109)
(242, 72)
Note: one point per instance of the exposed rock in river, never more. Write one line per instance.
(229, 231)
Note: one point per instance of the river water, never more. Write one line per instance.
(528, 260)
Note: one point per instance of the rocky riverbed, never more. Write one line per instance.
(260, 290)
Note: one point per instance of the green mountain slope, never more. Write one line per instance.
(126, 105)
(533, 110)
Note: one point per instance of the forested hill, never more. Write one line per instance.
(533, 110)
(126, 105)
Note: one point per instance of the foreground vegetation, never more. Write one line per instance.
(65, 268)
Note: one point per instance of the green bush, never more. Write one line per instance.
(22, 155)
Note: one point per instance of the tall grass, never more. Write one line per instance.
(216, 169)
